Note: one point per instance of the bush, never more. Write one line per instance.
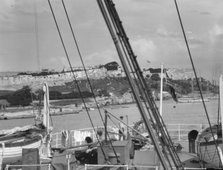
(22, 97)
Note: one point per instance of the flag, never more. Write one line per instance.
(172, 92)
(156, 70)
(171, 88)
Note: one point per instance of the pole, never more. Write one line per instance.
(46, 107)
(221, 99)
(132, 84)
(161, 91)
(127, 122)
(106, 124)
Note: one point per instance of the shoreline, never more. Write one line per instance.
(174, 113)
(67, 110)
(28, 116)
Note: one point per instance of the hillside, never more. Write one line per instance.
(104, 80)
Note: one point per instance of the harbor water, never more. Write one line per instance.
(173, 113)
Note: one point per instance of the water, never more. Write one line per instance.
(181, 113)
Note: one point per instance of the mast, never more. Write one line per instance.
(221, 114)
(221, 100)
(161, 91)
(37, 36)
(46, 110)
(165, 150)
(135, 92)
(192, 85)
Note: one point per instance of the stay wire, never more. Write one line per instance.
(195, 74)
(219, 122)
(89, 82)
(110, 26)
(80, 55)
(36, 35)
(121, 36)
(140, 76)
(110, 114)
(126, 54)
(113, 121)
(67, 56)
(120, 52)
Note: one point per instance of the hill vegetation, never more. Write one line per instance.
(101, 87)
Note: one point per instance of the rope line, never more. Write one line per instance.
(67, 56)
(195, 74)
(68, 59)
(88, 80)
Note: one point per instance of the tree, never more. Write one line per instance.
(54, 95)
(111, 66)
(21, 97)
(155, 77)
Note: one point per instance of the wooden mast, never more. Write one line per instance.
(221, 100)
(139, 88)
(161, 91)
(46, 110)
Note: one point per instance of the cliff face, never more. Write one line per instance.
(16, 82)
(102, 79)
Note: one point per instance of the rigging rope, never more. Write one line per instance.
(125, 52)
(88, 80)
(67, 56)
(37, 35)
(195, 74)
(143, 90)
(125, 124)
(108, 15)
(219, 122)
(66, 53)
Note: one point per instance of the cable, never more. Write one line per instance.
(81, 58)
(121, 35)
(143, 90)
(195, 74)
(66, 53)
(91, 88)
(125, 124)
(37, 36)
(67, 56)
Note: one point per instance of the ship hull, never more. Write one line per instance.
(12, 152)
(209, 153)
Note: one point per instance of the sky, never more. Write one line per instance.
(29, 40)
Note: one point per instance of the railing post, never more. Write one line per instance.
(56, 140)
(73, 138)
(49, 166)
(6, 168)
(179, 132)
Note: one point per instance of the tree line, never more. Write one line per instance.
(102, 87)
(25, 96)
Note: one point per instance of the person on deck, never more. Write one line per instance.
(91, 152)
(89, 141)
(121, 129)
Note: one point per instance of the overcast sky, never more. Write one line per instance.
(27, 30)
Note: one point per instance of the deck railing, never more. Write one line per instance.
(124, 167)
(178, 133)
(42, 166)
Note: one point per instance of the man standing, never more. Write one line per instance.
(121, 129)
